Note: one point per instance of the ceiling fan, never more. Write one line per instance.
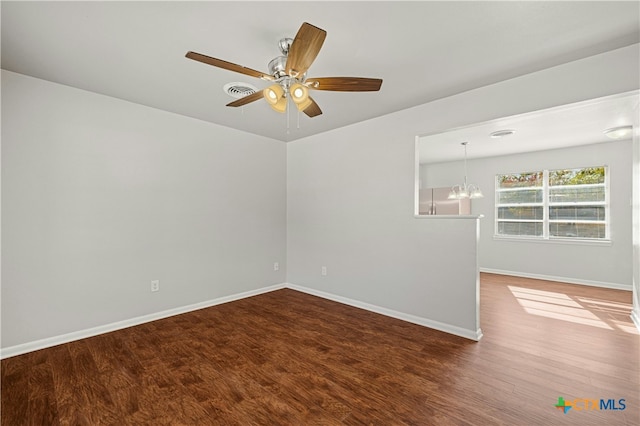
(289, 74)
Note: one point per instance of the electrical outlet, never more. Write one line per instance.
(323, 271)
(155, 285)
(276, 266)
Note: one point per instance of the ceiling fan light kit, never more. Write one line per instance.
(289, 74)
(300, 96)
(273, 94)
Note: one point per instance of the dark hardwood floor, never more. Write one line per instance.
(287, 358)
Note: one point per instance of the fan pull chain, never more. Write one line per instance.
(288, 109)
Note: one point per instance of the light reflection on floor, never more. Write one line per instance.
(581, 310)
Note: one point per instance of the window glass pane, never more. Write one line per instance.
(583, 176)
(577, 213)
(577, 230)
(564, 203)
(530, 213)
(520, 180)
(520, 196)
(573, 194)
(520, 228)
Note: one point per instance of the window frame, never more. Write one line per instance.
(546, 204)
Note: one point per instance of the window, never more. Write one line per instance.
(553, 204)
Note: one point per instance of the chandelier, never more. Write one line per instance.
(458, 192)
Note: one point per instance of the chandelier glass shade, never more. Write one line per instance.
(459, 192)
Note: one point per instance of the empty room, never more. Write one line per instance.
(304, 213)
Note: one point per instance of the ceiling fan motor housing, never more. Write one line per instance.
(284, 45)
(277, 67)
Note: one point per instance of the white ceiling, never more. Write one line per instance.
(422, 50)
(582, 123)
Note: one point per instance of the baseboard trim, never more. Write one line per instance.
(107, 328)
(635, 317)
(436, 325)
(614, 286)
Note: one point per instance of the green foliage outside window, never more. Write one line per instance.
(588, 175)
(520, 180)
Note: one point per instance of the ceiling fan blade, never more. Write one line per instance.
(345, 84)
(313, 109)
(304, 49)
(227, 65)
(246, 99)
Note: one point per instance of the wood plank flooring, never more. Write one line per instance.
(288, 358)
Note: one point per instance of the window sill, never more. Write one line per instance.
(448, 216)
(571, 241)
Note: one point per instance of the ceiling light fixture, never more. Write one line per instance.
(459, 192)
(300, 96)
(275, 96)
(502, 133)
(289, 71)
(621, 132)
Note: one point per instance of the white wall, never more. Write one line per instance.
(607, 265)
(351, 194)
(635, 315)
(101, 196)
(361, 227)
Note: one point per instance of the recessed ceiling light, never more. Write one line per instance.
(502, 133)
(620, 132)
